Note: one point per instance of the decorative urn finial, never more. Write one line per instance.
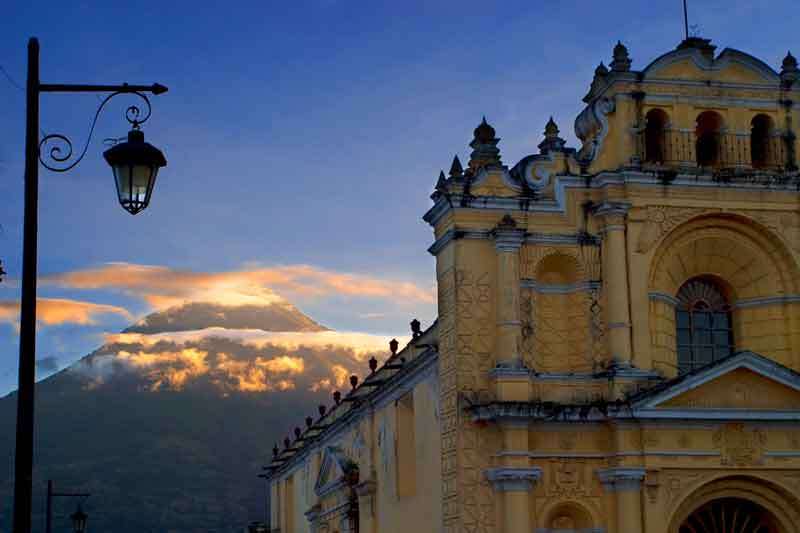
(622, 61)
(393, 344)
(354, 381)
(416, 328)
(484, 147)
(789, 71)
(321, 409)
(373, 364)
(552, 142)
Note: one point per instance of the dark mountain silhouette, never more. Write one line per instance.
(169, 435)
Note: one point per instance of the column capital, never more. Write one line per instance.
(619, 479)
(507, 236)
(513, 479)
(614, 215)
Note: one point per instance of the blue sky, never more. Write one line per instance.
(303, 133)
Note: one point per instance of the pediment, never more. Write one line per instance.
(333, 471)
(731, 66)
(739, 389)
(745, 383)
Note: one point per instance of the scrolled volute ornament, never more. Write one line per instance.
(56, 151)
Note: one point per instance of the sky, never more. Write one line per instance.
(303, 140)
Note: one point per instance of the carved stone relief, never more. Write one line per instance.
(740, 445)
(567, 478)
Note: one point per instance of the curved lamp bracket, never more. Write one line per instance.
(55, 150)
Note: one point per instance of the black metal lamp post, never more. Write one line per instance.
(135, 164)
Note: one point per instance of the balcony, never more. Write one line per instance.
(725, 157)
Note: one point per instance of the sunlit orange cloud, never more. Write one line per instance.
(53, 311)
(172, 370)
(164, 287)
(362, 344)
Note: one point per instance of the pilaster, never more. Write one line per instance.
(365, 491)
(508, 240)
(625, 483)
(515, 484)
(615, 279)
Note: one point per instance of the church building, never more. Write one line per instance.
(617, 348)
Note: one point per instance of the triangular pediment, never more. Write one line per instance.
(745, 383)
(333, 471)
(738, 389)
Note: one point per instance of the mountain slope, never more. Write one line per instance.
(168, 435)
(279, 316)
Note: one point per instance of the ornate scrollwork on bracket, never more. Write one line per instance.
(57, 147)
(591, 127)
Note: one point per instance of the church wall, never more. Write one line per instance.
(410, 509)
(466, 283)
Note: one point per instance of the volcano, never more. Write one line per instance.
(168, 423)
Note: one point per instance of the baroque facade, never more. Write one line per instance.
(618, 340)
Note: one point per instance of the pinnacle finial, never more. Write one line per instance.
(484, 133)
(789, 71)
(601, 70)
(456, 170)
(789, 62)
(551, 128)
(552, 142)
(622, 61)
(441, 183)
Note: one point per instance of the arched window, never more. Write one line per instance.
(704, 328)
(760, 133)
(709, 141)
(655, 141)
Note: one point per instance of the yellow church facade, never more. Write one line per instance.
(618, 341)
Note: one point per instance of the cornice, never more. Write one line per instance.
(412, 372)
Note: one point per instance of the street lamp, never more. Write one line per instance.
(135, 164)
(79, 520)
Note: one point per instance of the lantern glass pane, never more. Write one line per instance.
(122, 176)
(141, 184)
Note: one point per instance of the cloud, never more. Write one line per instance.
(362, 345)
(164, 287)
(54, 311)
(234, 360)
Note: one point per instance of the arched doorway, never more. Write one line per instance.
(730, 515)
(708, 146)
(737, 504)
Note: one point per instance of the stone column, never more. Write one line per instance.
(615, 280)
(515, 484)
(508, 240)
(626, 484)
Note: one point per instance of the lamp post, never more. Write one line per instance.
(135, 164)
(78, 518)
